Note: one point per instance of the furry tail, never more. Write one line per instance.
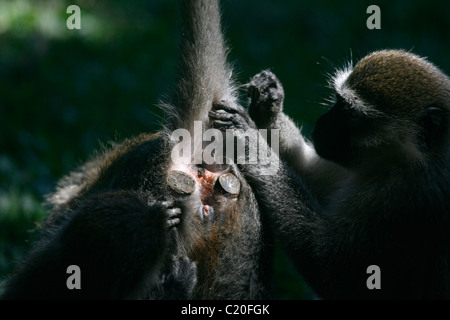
(204, 75)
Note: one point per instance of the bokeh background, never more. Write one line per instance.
(64, 92)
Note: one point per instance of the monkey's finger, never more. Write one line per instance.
(221, 120)
(266, 79)
(265, 91)
(220, 115)
(167, 204)
(253, 92)
(223, 104)
(172, 222)
(225, 117)
(218, 124)
(224, 108)
(174, 212)
(228, 107)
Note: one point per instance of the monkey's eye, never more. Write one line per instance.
(230, 183)
(181, 182)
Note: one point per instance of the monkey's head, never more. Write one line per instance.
(393, 106)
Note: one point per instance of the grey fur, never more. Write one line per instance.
(131, 236)
(204, 72)
(384, 192)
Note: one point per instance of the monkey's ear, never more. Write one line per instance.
(432, 123)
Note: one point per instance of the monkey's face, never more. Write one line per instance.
(339, 133)
(389, 108)
(351, 134)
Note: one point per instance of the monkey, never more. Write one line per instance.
(138, 223)
(373, 187)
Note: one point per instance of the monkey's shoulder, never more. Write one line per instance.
(128, 165)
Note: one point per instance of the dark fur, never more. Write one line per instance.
(384, 193)
(134, 238)
(98, 240)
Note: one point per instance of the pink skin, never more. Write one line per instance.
(206, 180)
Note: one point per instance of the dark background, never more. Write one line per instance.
(64, 92)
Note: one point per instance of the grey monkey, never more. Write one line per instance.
(372, 189)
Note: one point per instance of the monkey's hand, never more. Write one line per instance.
(178, 275)
(179, 283)
(173, 214)
(267, 96)
(225, 115)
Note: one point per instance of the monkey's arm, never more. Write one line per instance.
(290, 208)
(115, 238)
(315, 242)
(266, 110)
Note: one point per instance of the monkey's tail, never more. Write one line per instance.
(204, 75)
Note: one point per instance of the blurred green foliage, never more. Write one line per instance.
(62, 92)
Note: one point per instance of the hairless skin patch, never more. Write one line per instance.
(230, 183)
(181, 182)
